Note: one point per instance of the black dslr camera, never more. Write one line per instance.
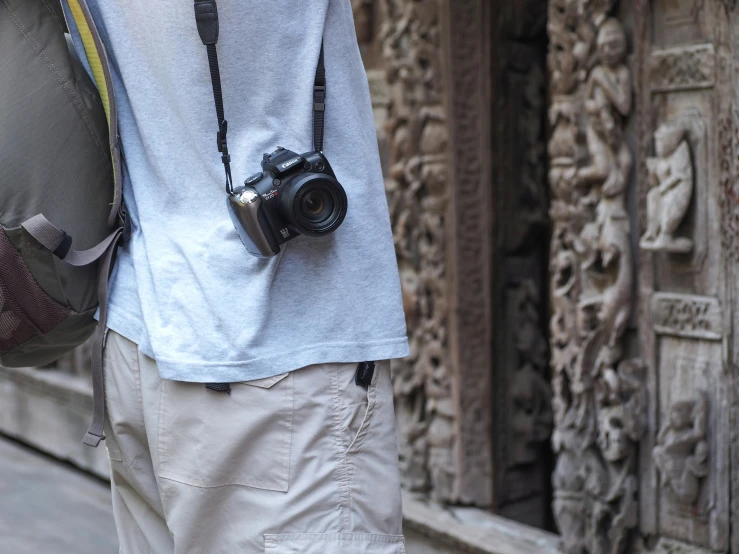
(293, 195)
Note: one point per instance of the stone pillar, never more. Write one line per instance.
(599, 394)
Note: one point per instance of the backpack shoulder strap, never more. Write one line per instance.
(57, 241)
(98, 60)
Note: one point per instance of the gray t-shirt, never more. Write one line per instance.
(184, 288)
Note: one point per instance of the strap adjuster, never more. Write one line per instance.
(64, 247)
(319, 107)
(221, 141)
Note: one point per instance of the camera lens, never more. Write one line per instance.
(315, 205)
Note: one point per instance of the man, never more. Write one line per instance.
(294, 450)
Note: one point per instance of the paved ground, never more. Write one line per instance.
(51, 508)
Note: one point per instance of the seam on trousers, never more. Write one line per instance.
(137, 381)
(106, 375)
(352, 453)
(160, 396)
(344, 489)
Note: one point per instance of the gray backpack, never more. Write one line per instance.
(60, 194)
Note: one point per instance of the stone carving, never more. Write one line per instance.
(728, 135)
(469, 236)
(671, 180)
(529, 394)
(364, 20)
(417, 197)
(599, 396)
(687, 315)
(729, 5)
(681, 455)
(683, 68)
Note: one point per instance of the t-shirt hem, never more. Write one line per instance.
(199, 371)
(269, 366)
(128, 328)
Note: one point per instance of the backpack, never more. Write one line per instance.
(60, 189)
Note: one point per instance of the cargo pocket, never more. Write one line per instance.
(212, 439)
(333, 543)
(26, 309)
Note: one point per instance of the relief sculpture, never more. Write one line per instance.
(529, 394)
(417, 197)
(681, 455)
(671, 181)
(599, 395)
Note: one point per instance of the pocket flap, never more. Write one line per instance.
(266, 383)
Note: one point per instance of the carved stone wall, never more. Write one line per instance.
(418, 197)
(465, 140)
(685, 186)
(599, 392)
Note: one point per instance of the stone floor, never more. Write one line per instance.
(50, 507)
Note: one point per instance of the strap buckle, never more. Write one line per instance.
(319, 98)
(221, 137)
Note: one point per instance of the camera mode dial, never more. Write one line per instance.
(251, 179)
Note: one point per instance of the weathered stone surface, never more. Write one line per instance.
(50, 410)
(431, 529)
(668, 546)
(686, 307)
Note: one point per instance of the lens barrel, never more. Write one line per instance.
(315, 204)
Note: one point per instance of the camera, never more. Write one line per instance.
(294, 194)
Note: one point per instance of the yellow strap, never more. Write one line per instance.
(96, 65)
(93, 56)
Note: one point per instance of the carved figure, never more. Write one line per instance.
(599, 398)
(608, 100)
(682, 453)
(671, 178)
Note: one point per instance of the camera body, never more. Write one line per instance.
(294, 194)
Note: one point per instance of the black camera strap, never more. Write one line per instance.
(206, 17)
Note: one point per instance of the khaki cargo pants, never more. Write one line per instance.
(300, 463)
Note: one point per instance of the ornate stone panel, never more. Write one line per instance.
(599, 391)
(689, 316)
(684, 67)
(467, 64)
(418, 198)
(683, 296)
(691, 451)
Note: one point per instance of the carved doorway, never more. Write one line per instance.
(459, 94)
(521, 395)
(498, 241)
